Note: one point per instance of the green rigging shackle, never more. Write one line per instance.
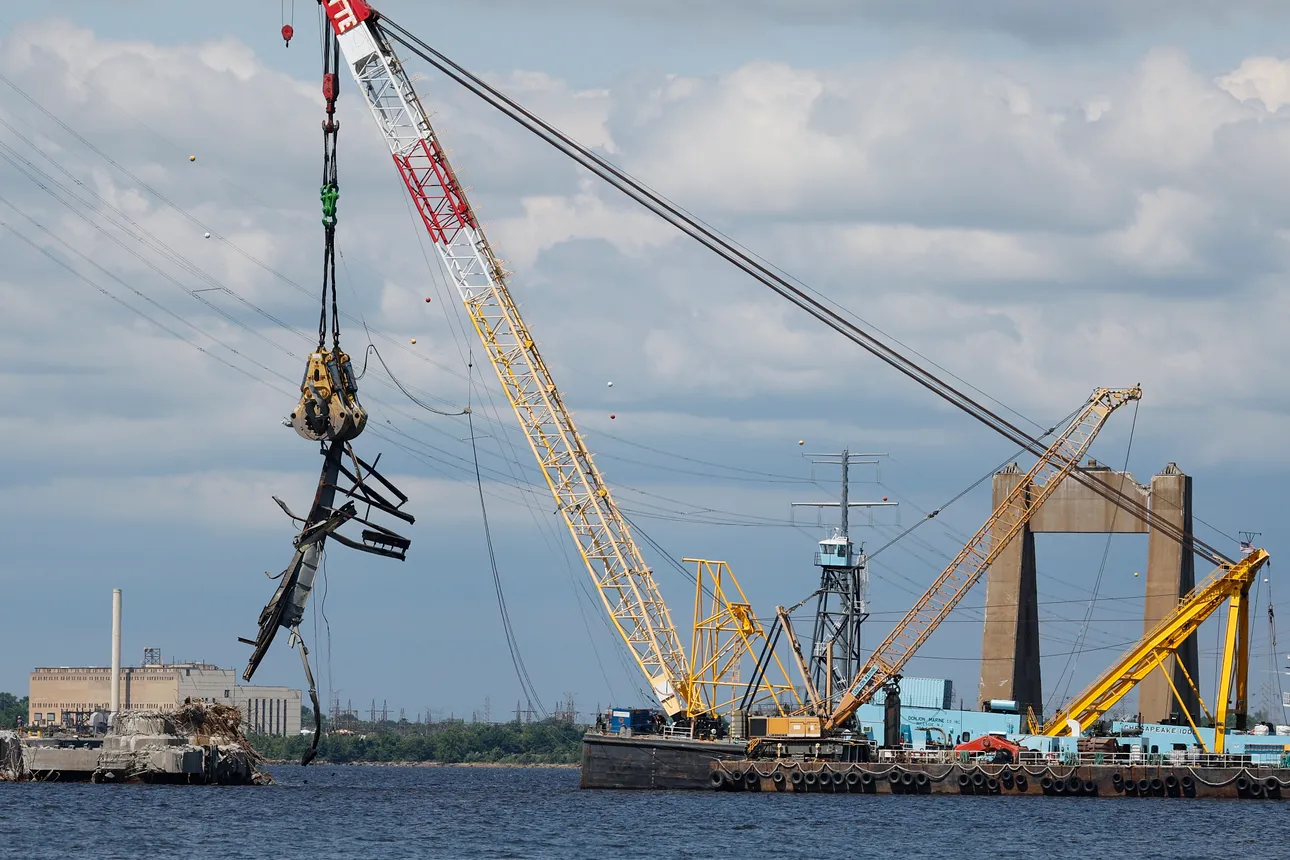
(330, 194)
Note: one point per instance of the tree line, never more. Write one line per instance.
(12, 709)
(448, 742)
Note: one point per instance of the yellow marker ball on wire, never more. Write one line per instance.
(192, 158)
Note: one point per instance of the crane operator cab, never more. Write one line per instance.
(837, 551)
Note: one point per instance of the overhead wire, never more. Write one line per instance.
(527, 686)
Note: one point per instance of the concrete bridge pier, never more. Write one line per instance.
(1010, 665)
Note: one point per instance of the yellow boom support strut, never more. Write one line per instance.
(1061, 458)
(1228, 584)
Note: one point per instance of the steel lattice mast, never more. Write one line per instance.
(1061, 458)
(625, 582)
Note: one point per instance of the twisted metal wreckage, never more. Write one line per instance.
(329, 413)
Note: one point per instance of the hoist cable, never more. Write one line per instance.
(746, 262)
(329, 191)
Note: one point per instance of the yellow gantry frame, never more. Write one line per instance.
(1061, 458)
(725, 632)
(1228, 584)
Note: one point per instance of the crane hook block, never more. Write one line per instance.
(287, 32)
(329, 409)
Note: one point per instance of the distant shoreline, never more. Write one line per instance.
(488, 764)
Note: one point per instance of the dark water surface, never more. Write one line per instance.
(355, 813)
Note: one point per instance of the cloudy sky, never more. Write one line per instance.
(1039, 203)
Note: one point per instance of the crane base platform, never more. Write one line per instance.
(1165, 779)
(652, 761)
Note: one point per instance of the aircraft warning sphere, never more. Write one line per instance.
(208, 235)
(612, 416)
(192, 158)
(609, 384)
(801, 441)
(427, 300)
(1135, 573)
(884, 498)
(414, 340)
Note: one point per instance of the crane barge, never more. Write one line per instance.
(603, 537)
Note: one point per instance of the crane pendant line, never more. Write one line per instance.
(779, 282)
(624, 581)
(1061, 458)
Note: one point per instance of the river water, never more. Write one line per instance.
(321, 813)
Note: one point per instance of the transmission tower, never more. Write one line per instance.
(841, 604)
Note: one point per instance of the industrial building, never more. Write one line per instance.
(66, 696)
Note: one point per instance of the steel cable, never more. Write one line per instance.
(695, 229)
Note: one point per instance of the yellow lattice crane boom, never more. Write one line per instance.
(1058, 461)
(1228, 584)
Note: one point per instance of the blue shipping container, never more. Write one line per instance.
(922, 693)
(635, 719)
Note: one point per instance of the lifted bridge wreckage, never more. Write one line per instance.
(329, 412)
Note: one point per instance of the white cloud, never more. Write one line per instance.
(1043, 23)
(1037, 227)
(1265, 79)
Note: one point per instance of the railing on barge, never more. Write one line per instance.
(1031, 758)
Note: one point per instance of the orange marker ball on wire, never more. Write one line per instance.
(612, 416)
(427, 300)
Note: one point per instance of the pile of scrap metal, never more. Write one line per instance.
(198, 743)
(10, 757)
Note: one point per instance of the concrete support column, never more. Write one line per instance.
(1171, 573)
(1010, 641)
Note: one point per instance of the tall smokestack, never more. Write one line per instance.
(116, 653)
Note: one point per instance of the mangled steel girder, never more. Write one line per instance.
(364, 485)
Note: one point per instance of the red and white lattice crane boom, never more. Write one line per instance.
(604, 540)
